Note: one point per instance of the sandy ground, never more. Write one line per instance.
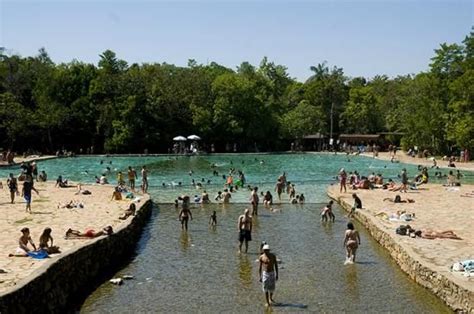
(98, 212)
(436, 208)
(19, 159)
(403, 157)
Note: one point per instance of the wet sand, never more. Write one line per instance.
(436, 208)
(98, 212)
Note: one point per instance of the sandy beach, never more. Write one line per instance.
(436, 208)
(99, 211)
(403, 157)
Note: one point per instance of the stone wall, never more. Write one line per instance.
(62, 284)
(457, 298)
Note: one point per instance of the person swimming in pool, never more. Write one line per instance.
(351, 242)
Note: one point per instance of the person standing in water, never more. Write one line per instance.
(254, 201)
(244, 225)
(343, 179)
(132, 175)
(185, 214)
(213, 219)
(144, 180)
(279, 188)
(351, 242)
(268, 273)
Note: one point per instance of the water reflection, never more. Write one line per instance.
(352, 283)
(245, 270)
(185, 240)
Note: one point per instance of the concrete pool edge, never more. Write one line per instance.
(64, 281)
(459, 299)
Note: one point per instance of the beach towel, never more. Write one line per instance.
(41, 254)
(268, 281)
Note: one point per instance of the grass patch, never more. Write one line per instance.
(22, 221)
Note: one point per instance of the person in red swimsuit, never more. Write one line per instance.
(89, 233)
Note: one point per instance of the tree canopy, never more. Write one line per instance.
(115, 106)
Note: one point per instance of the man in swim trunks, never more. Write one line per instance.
(268, 273)
(144, 180)
(351, 242)
(254, 201)
(26, 191)
(244, 225)
(279, 188)
(132, 175)
(23, 248)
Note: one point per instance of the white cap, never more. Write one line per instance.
(266, 247)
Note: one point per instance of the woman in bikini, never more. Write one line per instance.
(351, 242)
(89, 233)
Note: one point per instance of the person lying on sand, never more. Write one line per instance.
(448, 234)
(89, 233)
(44, 240)
(23, 249)
(71, 204)
(129, 212)
(398, 199)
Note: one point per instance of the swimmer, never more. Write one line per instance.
(205, 198)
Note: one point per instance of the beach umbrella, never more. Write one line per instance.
(194, 138)
(179, 138)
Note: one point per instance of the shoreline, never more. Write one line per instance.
(425, 261)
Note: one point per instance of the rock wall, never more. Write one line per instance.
(62, 284)
(457, 298)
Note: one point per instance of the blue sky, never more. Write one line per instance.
(364, 37)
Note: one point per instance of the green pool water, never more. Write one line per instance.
(201, 271)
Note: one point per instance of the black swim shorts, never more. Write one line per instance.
(245, 235)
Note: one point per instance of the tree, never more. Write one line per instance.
(303, 120)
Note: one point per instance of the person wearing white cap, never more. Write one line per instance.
(268, 273)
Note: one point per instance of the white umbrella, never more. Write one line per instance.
(194, 138)
(179, 138)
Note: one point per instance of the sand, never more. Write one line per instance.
(404, 158)
(98, 212)
(436, 208)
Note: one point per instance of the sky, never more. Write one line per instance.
(365, 38)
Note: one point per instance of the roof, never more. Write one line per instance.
(316, 136)
(359, 136)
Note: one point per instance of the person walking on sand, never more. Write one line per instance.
(12, 186)
(351, 242)
(342, 180)
(244, 225)
(254, 200)
(268, 273)
(26, 191)
(144, 174)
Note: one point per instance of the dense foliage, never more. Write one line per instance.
(117, 107)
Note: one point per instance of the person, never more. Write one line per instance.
(343, 179)
(218, 196)
(404, 181)
(26, 191)
(129, 212)
(132, 175)
(279, 188)
(89, 233)
(60, 183)
(357, 205)
(268, 199)
(205, 198)
(268, 273)
(116, 194)
(244, 225)
(120, 180)
(144, 180)
(327, 212)
(398, 199)
(291, 190)
(23, 248)
(43, 177)
(254, 201)
(13, 186)
(282, 179)
(213, 219)
(44, 240)
(226, 196)
(103, 179)
(301, 199)
(351, 242)
(184, 216)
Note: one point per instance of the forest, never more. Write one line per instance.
(117, 107)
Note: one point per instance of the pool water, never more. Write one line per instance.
(201, 271)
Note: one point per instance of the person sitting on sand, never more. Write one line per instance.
(44, 240)
(61, 183)
(398, 199)
(89, 233)
(23, 248)
(129, 212)
(116, 194)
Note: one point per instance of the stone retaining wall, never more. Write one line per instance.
(62, 284)
(457, 298)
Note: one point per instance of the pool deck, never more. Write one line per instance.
(98, 212)
(18, 160)
(404, 158)
(425, 261)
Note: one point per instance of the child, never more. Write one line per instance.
(213, 219)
